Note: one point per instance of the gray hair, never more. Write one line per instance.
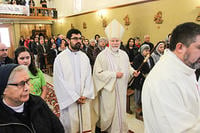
(143, 47)
(92, 40)
(102, 39)
(15, 70)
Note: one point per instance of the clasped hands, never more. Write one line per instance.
(81, 100)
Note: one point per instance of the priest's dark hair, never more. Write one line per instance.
(185, 33)
(72, 31)
(32, 68)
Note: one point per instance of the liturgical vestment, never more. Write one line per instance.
(111, 90)
(72, 79)
(171, 97)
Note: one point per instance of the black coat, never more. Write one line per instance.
(90, 54)
(138, 81)
(7, 60)
(51, 55)
(34, 48)
(41, 51)
(132, 52)
(42, 119)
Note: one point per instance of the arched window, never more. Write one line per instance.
(4, 36)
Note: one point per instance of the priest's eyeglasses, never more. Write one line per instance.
(76, 38)
(4, 49)
(22, 83)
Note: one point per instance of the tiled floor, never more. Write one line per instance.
(135, 125)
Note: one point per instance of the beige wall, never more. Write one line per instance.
(66, 7)
(141, 18)
(99, 4)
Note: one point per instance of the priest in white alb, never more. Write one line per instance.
(111, 73)
(171, 94)
(74, 86)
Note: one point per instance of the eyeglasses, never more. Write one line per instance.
(76, 38)
(3, 50)
(22, 83)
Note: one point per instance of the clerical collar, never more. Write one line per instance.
(73, 52)
(18, 109)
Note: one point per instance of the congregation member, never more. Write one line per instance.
(34, 50)
(27, 41)
(30, 45)
(59, 40)
(168, 40)
(21, 41)
(38, 84)
(122, 47)
(52, 53)
(170, 97)
(137, 42)
(131, 49)
(82, 48)
(86, 44)
(13, 2)
(31, 3)
(4, 59)
(18, 2)
(51, 41)
(42, 51)
(147, 41)
(46, 42)
(62, 46)
(100, 47)
(112, 70)
(158, 52)
(144, 53)
(43, 3)
(96, 37)
(90, 51)
(21, 112)
(73, 85)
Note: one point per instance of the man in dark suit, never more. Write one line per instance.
(147, 41)
(42, 50)
(4, 59)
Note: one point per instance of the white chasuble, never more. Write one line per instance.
(112, 91)
(171, 97)
(72, 79)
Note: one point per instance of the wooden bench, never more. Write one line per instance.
(49, 67)
(130, 92)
